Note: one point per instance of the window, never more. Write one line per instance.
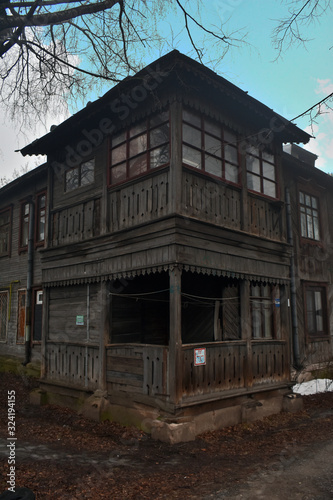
(40, 218)
(309, 213)
(24, 228)
(316, 312)
(140, 149)
(5, 232)
(209, 147)
(21, 316)
(82, 175)
(261, 175)
(265, 307)
(3, 316)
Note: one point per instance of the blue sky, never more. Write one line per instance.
(301, 77)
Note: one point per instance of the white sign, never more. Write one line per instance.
(200, 356)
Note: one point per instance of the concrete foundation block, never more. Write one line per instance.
(94, 406)
(227, 417)
(292, 403)
(259, 409)
(173, 433)
(204, 422)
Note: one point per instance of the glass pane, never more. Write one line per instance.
(213, 166)
(72, 179)
(253, 164)
(256, 319)
(159, 156)
(138, 165)
(41, 227)
(191, 157)
(301, 198)
(119, 154)
(310, 311)
(303, 225)
(87, 172)
(316, 228)
(213, 145)
(138, 145)
(319, 311)
(268, 171)
(212, 127)
(308, 200)
(267, 157)
(269, 188)
(192, 118)
(230, 154)
(160, 118)
(42, 201)
(137, 129)
(191, 135)
(159, 135)
(117, 139)
(4, 218)
(231, 173)
(253, 182)
(118, 173)
(314, 202)
(309, 226)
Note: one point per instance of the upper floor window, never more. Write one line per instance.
(142, 148)
(24, 226)
(261, 174)
(81, 175)
(309, 212)
(209, 147)
(5, 231)
(40, 218)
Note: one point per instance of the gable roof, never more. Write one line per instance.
(183, 72)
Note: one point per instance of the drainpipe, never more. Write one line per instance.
(28, 306)
(293, 301)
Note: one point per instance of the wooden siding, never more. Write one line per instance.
(76, 223)
(270, 362)
(138, 369)
(210, 201)
(73, 364)
(140, 201)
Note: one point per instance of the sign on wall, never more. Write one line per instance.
(79, 320)
(200, 356)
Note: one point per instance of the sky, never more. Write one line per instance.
(291, 84)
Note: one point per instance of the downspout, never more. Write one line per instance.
(28, 315)
(293, 300)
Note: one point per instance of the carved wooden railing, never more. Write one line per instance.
(269, 361)
(210, 201)
(141, 201)
(265, 218)
(142, 369)
(73, 364)
(76, 223)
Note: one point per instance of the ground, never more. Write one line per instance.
(61, 455)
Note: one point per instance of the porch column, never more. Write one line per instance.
(104, 333)
(246, 330)
(175, 337)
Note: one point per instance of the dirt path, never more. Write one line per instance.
(60, 455)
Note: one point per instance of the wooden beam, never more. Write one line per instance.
(175, 341)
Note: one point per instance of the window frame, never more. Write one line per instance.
(130, 138)
(6, 294)
(324, 334)
(204, 153)
(312, 194)
(24, 248)
(8, 209)
(261, 151)
(79, 169)
(40, 242)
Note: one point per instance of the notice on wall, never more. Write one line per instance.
(79, 320)
(200, 357)
(277, 302)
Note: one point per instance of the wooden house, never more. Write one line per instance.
(23, 206)
(167, 261)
